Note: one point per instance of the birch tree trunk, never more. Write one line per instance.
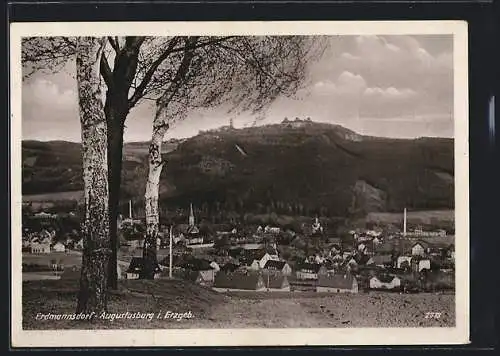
(160, 127)
(95, 225)
(164, 115)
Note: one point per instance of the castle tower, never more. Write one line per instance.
(191, 216)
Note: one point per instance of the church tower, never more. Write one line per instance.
(191, 216)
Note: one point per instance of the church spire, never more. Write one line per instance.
(191, 215)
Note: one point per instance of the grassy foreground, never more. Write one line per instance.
(209, 309)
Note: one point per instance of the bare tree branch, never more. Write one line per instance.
(138, 93)
(180, 75)
(106, 72)
(141, 89)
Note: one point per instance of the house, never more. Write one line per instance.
(362, 238)
(373, 233)
(255, 266)
(203, 271)
(337, 283)
(272, 230)
(352, 263)
(361, 247)
(335, 249)
(37, 247)
(438, 248)
(198, 240)
(346, 255)
(308, 271)
(278, 266)
(419, 248)
(59, 247)
(276, 283)
(418, 265)
(338, 258)
(319, 259)
(257, 259)
(335, 240)
(402, 260)
(385, 282)
(215, 266)
(43, 215)
(238, 282)
(136, 266)
(198, 277)
(380, 260)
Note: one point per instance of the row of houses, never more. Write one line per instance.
(275, 276)
(46, 246)
(240, 282)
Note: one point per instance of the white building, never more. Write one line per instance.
(422, 264)
(402, 259)
(272, 230)
(59, 247)
(385, 283)
(37, 247)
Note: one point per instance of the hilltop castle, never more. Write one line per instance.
(297, 122)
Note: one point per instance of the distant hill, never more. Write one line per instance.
(296, 167)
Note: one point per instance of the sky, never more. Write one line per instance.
(388, 86)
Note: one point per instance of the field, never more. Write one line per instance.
(53, 197)
(244, 310)
(374, 309)
(73, 258)
(426, 217)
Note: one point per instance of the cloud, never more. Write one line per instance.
(376, 77)
(384, 77)
(390, 93)
(347, 83)
(49, 111)
(349, 56)
(42, 91)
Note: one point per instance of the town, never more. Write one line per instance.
(269, 258)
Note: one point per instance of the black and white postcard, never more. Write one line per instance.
(239, 183)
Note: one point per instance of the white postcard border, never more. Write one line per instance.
(249, 337)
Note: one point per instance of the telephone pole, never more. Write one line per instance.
(170, 255)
